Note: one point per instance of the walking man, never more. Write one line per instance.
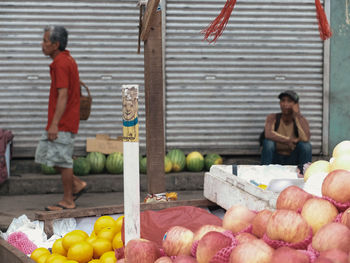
(56, 145)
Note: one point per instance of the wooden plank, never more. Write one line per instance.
(154, 107)
(148, 18)
(10, 254)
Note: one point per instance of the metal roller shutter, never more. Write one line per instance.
(217, 96)
(103, 40)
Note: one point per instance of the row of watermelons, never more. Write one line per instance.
(174, 161)
(177, 161)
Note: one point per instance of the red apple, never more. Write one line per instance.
(162, 260)
(210, 244)
(141, 250)
(244, 237)
(332, 236)
(289, 255)
(178, 241)
(318, 212)
(292, 198)
(336, 255)
(237, 218)
(336, 186)
(345, 218)
(205, 229)
(259, 222)
(122, 260)
(185, 259)
(288, 226)
(255, 251)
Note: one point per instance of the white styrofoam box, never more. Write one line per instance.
(7, 158)
(226, 189)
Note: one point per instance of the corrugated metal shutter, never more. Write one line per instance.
(103, 40)
(217, 96)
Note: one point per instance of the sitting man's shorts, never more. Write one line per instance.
(56, 153)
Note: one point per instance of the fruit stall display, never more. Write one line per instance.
(174, 161)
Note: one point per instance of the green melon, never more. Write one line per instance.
(143, 165)
(81, 166)
(97, 162)
(48, 169)
(114, 163)
(168, 165)
(178, 159)
(195, 162)
(212, 159)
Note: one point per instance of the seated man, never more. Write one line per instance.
(287, 134)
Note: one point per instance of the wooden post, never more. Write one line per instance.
(131, 162)
(154, 102)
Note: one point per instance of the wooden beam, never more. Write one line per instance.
(154, 105)
(147, 21)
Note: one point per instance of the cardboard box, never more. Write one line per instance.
(104, 144)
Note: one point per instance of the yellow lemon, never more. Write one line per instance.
(42, 258)
(81, 232)
(119, 223)
(71, 261)
(94, 261)
(57, 248)
(55, 258)
(103, 222)
(91, 239)
(340, 162)
(107, 233)
(93, 234)
(108, 257)
(39, 252)
(342, 148)
(81, 252)
(72, 238)
(117, 241)
(101, 246)
(320, 166)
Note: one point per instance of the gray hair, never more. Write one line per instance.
(58, 34)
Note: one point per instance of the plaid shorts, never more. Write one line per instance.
(56, 153)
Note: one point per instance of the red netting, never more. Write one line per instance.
(20, 241)
(217, 27)
(323, 25)
(313, 251)
(312, 256)
(280, 243)
(340, 206)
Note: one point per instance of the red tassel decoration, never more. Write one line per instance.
(323, 26)
(217, 27)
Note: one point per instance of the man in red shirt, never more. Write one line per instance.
(56, 145)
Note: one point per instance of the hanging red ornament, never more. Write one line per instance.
(217, 27)
(323, 25)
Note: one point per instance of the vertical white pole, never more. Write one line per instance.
(131, 162)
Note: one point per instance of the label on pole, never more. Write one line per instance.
(130, 113)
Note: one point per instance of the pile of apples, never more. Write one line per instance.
(304, 228)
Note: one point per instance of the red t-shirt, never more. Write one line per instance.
(64, 74)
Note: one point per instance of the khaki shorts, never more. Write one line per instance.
(56, 153)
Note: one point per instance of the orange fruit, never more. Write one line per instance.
(57, 247)
(91, 239)
(39, 252)
(117, 241)
(55, 258)
(101, 246)
(107, 233)
(71, 261)
(81, 232)
(119, 223)
(81, 252)
(93, 234)
(72, 238)
(42, 258)
(108, 257)
(94, 261)
(103, 222)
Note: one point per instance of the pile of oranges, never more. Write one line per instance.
(78, 247)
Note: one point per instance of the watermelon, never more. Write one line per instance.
(48, 169)
(212, 159)
(115, 163)
(168, 165)
(97, 162)
(143, 165)
(195, 162)
(81, 166)
(178, 159)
